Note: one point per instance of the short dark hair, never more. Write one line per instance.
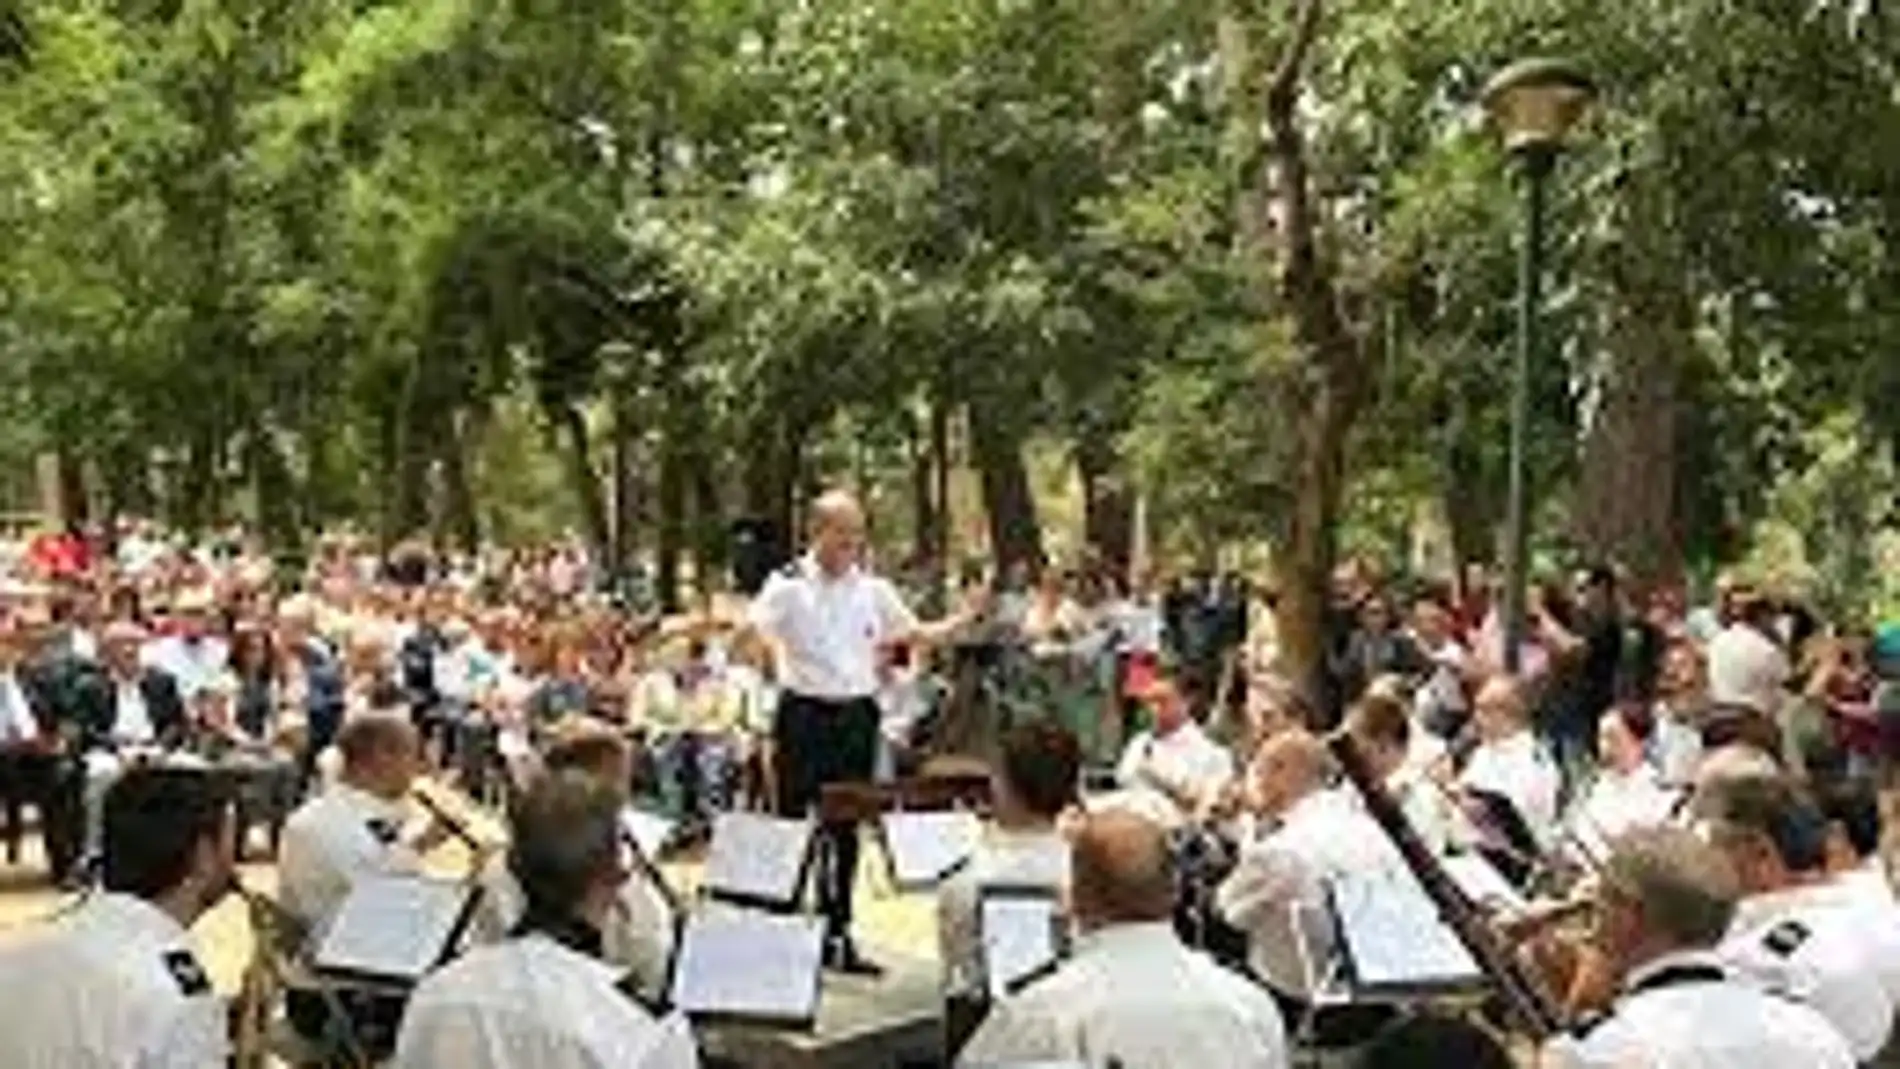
(1778, 811)
(592, 749)
(1854, 805)
(367, 737)
(1042, 763)
(153, 820)
(1432, 1039)
(564, 832)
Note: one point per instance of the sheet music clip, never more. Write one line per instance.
(396, 929)
(758, 860)
(739, 965)
(1021, 934)
(924, 848)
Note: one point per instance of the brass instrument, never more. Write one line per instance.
(275, 935)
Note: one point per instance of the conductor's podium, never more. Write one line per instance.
(863, 1023)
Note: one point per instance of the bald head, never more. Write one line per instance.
(1119, 871)
(837, 530)
(1499, 708)
(1288, 767)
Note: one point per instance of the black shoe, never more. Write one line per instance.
(841, 956)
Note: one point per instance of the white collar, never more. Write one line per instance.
(130, 914)
(1766, 907)
(593, 969)
(1315, 805)
(359, 799)
(1135, 937)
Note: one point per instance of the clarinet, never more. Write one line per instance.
(1535, 1011)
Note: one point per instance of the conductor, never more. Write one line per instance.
(835, 628)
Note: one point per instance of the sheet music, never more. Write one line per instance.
(649, 831)
(1481, 882)
(398, 927)
(1393, 936)
(926, 847)
(748, 964)
(758, 857)
(1019, 937)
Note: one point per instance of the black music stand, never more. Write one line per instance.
(1505, 837)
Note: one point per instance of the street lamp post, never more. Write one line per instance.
(1533, 104)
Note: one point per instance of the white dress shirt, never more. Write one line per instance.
(131, 720)
(827, 630)
(1518, 768)
(1184, 758)
(331, 841)
(1029, 858)
(1619, 802)
(1747, 668)
(531, 1003)
(115, 986)
(1866, 894)
(17, 724)
(1676, 748)
(194, 664)
(1136, 994)
(638, 937)
(1669, 1017)
(1804, 943)
(1279, 881)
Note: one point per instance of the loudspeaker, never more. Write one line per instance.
(758, 549)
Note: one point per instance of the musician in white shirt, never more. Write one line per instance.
(1385, 733)
(1032, 782)
(637, 934)
(1857, 872)
(353, 829)
(1663, 904)
(1509, 759)
(1172, 770)
(1278, 889)
(1625, 793)
(116, 983)
(1792, 931)
(1132, 993)
(544, 998)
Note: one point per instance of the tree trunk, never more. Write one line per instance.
(672, 507)
(1331, 388)
(582, 477)
(626, 481)
(1626, 505)
(1015, 532)
(1470, 504)
(1108, 505)
(461, 525)
(278, 515)
(75, 505)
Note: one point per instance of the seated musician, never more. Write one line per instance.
(128, 713)
(1510, 761)
(1384, 732)
(1663, 905)
(1033, 781)
(1132, 993)
(1172, 770)
(351, 830)
(638, 933)
(545, 998)
(1281, 879)
(1792, 933)
(1858, 874)
(116, 983)
(1626, 792)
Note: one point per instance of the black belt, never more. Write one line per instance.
(837, 703)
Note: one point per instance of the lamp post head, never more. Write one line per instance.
(1534, 103)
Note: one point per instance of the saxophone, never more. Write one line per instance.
(262, 983)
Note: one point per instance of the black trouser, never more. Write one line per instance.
(816, 741)
(1334, 1027)
(52, 784)
(373, 1020)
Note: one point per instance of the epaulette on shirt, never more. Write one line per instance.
(1590, 1023)
(184, 967)
(1786, 938)
(629, 985)
(1032, 977)
(385, 831)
